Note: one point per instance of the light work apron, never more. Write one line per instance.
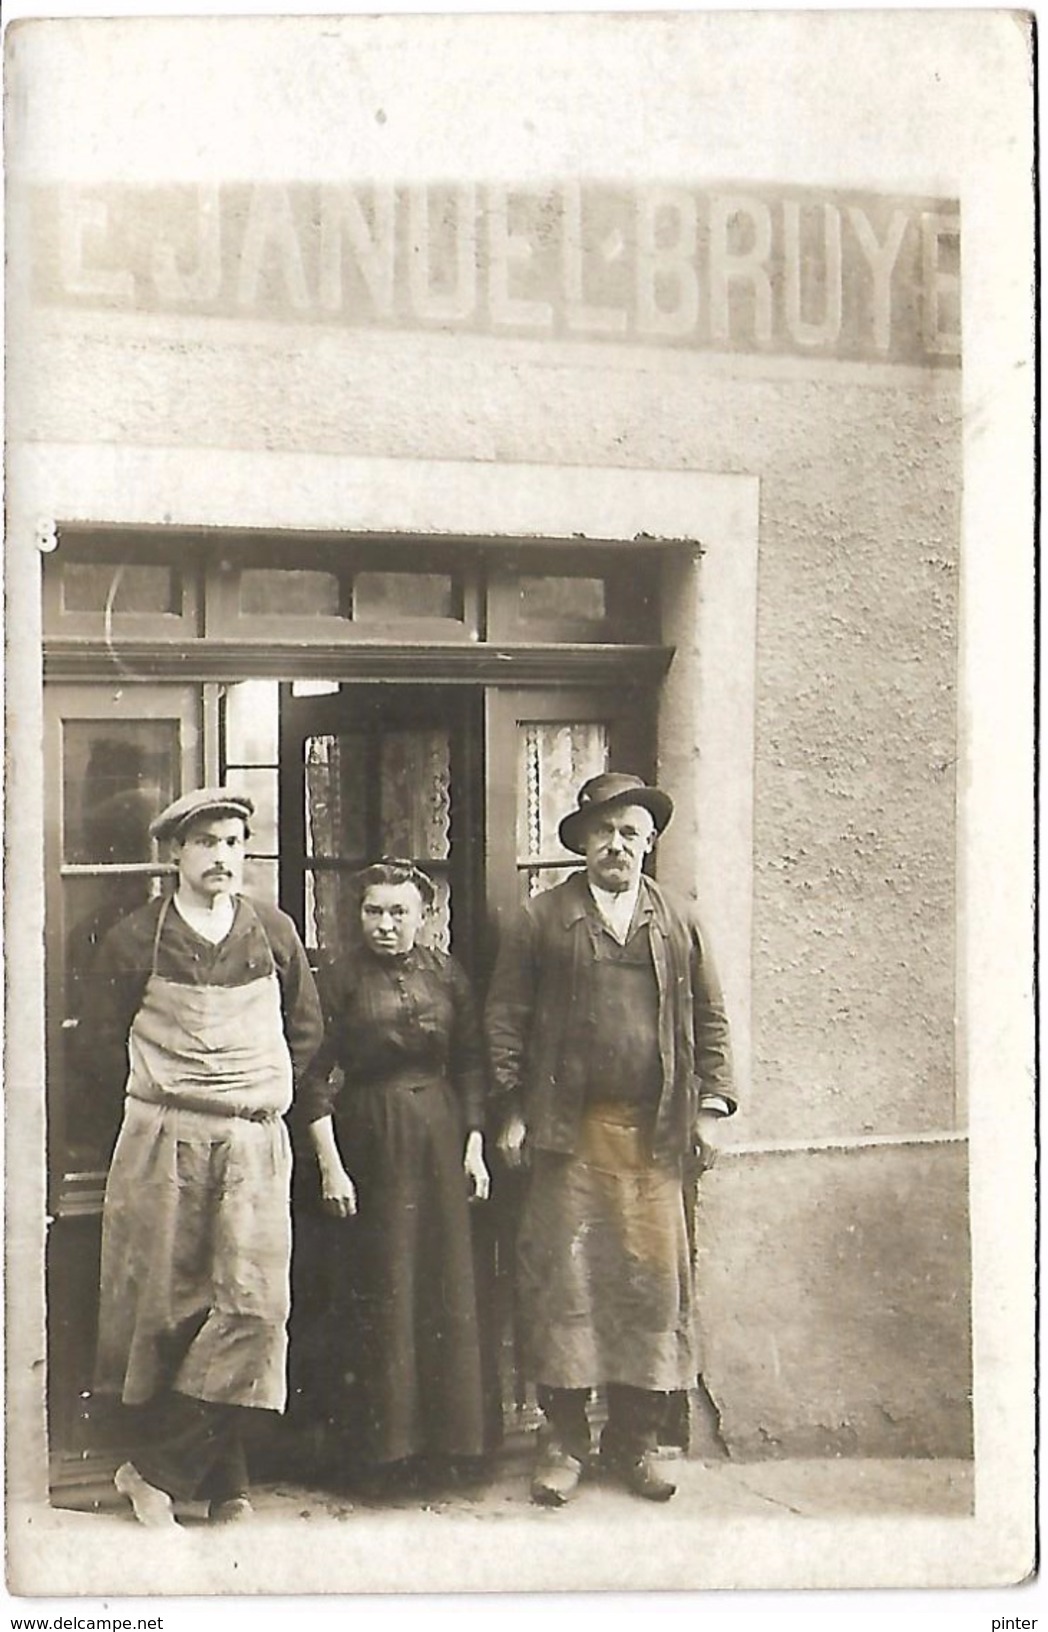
(196, 1231)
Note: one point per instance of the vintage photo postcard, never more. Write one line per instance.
(519, 761)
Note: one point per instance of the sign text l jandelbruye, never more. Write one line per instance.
(732, 268)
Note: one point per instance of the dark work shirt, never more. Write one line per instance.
(393, 1018)
(624, 1063)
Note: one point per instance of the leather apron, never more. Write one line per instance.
(196, 1231)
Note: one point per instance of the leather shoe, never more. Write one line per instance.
(556, 1477)
(230, 1510)
(153, 1507)
(640, 1473)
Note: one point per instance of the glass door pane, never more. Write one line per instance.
(372, 772)
(542, 745)
(248, 717)
(371, 794)
(554, 759)
(116, 775)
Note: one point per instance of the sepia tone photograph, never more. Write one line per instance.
(518, 829)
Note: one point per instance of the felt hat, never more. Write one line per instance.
(605, 792)
(172, 821)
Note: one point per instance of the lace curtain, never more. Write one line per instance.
(554, 760)
(410, 815)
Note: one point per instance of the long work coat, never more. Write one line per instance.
(196, 1237)
(603, 1259)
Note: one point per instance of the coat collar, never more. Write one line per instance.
(577, 902)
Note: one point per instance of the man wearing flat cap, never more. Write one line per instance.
(208, 1011)
(611, 1060)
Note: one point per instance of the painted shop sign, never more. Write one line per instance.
(737, 269)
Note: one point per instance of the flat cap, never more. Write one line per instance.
(203, 802)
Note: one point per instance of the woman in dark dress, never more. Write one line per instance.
(400, 1152)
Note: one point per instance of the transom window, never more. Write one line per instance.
(130, 586)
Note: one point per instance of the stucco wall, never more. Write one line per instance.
(834, 1294)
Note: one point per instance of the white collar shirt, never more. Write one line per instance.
(616, 909)
(212, 923)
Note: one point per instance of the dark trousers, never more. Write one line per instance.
(194, 1449)
(634, 1418)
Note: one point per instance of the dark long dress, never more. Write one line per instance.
(403, 1371)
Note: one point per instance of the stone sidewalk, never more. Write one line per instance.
(722, 1529)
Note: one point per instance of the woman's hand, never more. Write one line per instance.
(476, 1168)
(338, 1193)
(511, 1141)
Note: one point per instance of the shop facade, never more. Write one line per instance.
(407, 506)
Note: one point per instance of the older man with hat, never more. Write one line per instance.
(611, 1058)
(208, 1010)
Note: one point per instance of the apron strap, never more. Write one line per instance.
(162, 914)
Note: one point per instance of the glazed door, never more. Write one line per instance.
(114, 756)
(470, 783)
(381, 770)
(542, 745)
